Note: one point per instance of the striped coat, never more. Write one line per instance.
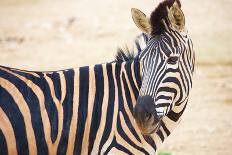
(81, 111)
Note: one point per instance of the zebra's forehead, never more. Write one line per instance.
(166, 44)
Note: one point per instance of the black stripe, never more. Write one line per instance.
(3, 145)
(167, 89)
(164, 48)
(83, 108)
(182, 77)
(137, 43)
(163, 97)
(67, 111)
(137, 72)
(145, 36)
(165, 128)
(176, 116)
(130, 78)
(114, 144)
(186, 77)
(160, 134)
(173, 38)
(97, 108)
(110, 108)
(55, 77)
(177, 82)
(127, 95)
(50, 107)
(179, 36)
(24, 73)
(12, 111)
(150, 141)
(162, 105)
(124, 149)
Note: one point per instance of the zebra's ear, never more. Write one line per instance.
(176, 17)
(141, 21)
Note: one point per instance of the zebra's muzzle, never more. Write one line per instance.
(145, 115)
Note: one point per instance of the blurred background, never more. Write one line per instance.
(59, 34)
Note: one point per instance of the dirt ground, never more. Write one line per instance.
(58, 34)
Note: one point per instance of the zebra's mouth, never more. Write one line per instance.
(157, 126)
(149, 127)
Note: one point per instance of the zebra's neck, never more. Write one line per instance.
(107, 107)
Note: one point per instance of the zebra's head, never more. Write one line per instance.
(167, 64)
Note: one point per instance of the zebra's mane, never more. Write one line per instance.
(127, 54)
(160, 14)
(124, 54)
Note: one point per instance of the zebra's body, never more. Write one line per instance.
(82, 111)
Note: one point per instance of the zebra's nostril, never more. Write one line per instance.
(144, 109)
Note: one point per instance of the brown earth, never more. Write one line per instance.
(56, 34)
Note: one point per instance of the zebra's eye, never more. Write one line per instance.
(172, 60)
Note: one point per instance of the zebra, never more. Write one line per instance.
(128, 106)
